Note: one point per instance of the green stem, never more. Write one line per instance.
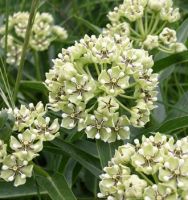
(141, 27)
(165, 49)
(146, 21)
(161, 28)
(88, 72)
(124, 107)
(155, 25)
(6, 29)
(97, 69)
(151, 22)
(25, 45)
(155, 178)
(126, 97)
(131, 85)
(37, 65)
(145, 177)
(134, 32)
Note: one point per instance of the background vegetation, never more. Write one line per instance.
(74, 160)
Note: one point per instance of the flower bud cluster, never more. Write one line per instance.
(101, 85)
(155, 168)
(30, 130)
(44, 31)
(147, 23)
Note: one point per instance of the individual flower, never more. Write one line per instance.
(15, 170)
(26, 147)
(147, 158)
(111, 180)
(120, 128)
(107, 104)
(168, 36)
(80, 88)
(113, 81)
(24, 116)
(134, 187)
(43, 23)
(20, 21)
(97, 126)
(123, 154)
(44, 130)
(175, 172)
(151, 42)
(160, 191)
(59, 32)
(72, 116)
(104, 50)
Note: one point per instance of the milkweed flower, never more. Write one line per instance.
(31, 128)
(15, 170)
(102, 87)
(148, 24)
(43, 33)
(151, 169)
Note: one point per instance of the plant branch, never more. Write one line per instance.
(33, 10)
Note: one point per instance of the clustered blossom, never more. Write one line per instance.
(44, 31)
(30, 130)
(102, 86)
(147, 23)
(155, 168)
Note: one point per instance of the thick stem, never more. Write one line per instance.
(25, 45)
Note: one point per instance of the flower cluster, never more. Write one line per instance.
(147, 23)
(101, 85)
(30, 130)
(156, 168)
(43, 33)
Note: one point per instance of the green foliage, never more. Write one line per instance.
(72, 164)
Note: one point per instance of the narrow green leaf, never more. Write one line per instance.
(34, 85)
(6, 125)
(88, 24)
(180, 109)
(86, 160)
(8, 191)
(170, 60)
(182, 32)
(173, 124)
(55, 184)
(106, 151)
